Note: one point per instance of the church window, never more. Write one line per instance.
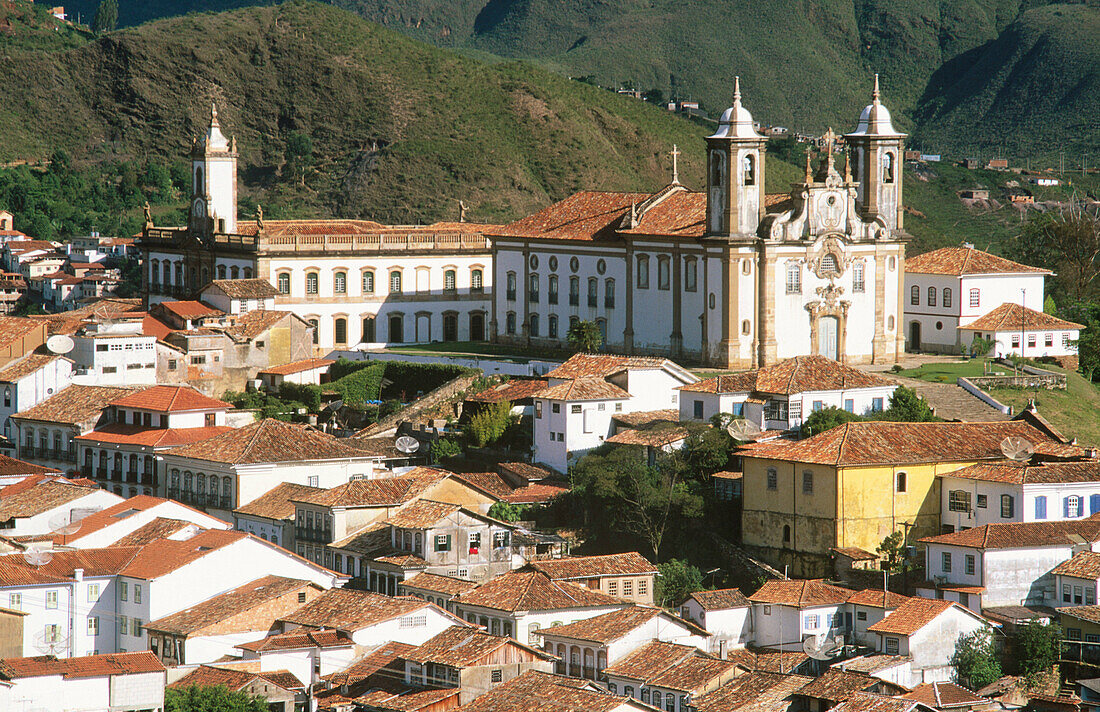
(947, 296)
(340, 283)
(154, 271)
(450, 280)
(859, 284)
(746, 267)
(888, 167)
(893, 263)
(643, 271)
(890, 322)
(931, 296)
(167, 267)
(900, 482)
(663, 271)
(221, 271)
(368, 281)
(340, 330)
(311, 282)
(749, 169)
(477, 280)
(179, 274)
(248, 273)
(914, 295)
(510, 323)
(316, 331)
(552, 327)
(510, 287)
(746, 327)
(234, 272)
(691, 275)
(198, 181)
(716, 168)
(552, 292)
(574, 291)
(609, 294)
(773, 479)
(975, 298)
(395, 281)
(533, 325)
(593, 291)
(786, 533)
(828, 263)
(368, 329)
(601, 266)
(794, 279)
(533, 289)
(284, 283)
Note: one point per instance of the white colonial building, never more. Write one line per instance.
(1017, 330)
(356, 281)
(732, 276)
(25, 382)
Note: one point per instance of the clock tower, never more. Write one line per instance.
(214, 181)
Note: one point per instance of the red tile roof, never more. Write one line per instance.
(794, 375)
(422, 514)
(90, 666)
(170, 399)
(681, 213)
(876, 598)
(652, 659)
(190, 309)
(159, 528)
(536, 492)
(15, 570)
(118, 512)
(447, 585)
(23, 367)
(260, 593)
(350, 610)
(801, 593)
(298, 639)
(649, 437)
(755, 691)
(1013, 317)
(165, 556)
(118, 434)
(1083, 564)
(386, 492)
(75, 405)
(944, 695)
(463, 646)
(534, 591)
(1015, 535)
(12, 466)
(268, 440)
(912, 615)
(535, 691)
(609, 627)
(277, 503)
(720, 599)
(13, 328)
(235, 680)
(23, 501)
(298, 366)
(965, 260)
(837, 685)
(603, 365)
(513, 390)
(586, 216)
(870, 702)
(245, 288)
(1024, 473)
(583, 389)
(630, 563)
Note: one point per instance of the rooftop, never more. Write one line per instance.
(170, 399)
(755, 691)
(1016, 535)
(90, 666)
(654, 659)
(912, 615)
(869, 702)
(164, 556)
(1013, 317)
(12, 466)
(254, 594)
(535, 691)
(16, 571)
(801, 593)
(604, 365)
(512, 390)
(190, 309)
(582, 567)
(794, 375)
(386, 492)
(649, 437)
(22, 367)
(422, 514)
(299, 639)
(958, 261)
(288, 369)
(245, 288)
(13, 328)
(447, 585)
(837, 685)
(944, 695)
(1014, 472)
(533, 591)
(268, 440)
(877, 598)
(1083, 564)
(75, 405)
(159, 528)
(20, 502)
(211, 676)
(143, 436)
(462, 646)
(277, 503)
(587, 388)
(350, 610)
(719, 600)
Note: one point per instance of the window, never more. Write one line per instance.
(613, 588)
(850, 405)
(443, 542)
(691, 275)
(510, 323)
(899, 482)
(552, 290)
(794, 279)
(574, 291)
(496, 676)
(888, 167)
(975, 298)
(931, 296)
(510, 287)
(914, 295)
(663, 272)
(93, 592)
(657, 697)
(1048, 340)
(828, 263)
(746, 326)
(981, 502)
(1040, 507)
(958, 501)
(1065, 341)
(876, 405)
(51, 599)
(945, 562)
(609, 294)
(123, 625)
(859, 285)
(477, 280)
(861, 615)
(311, 282)
(1015, 341)
(340, 330)
(811, 622)
(340, 283)
(532, 633)
(970, 564)
(773, 479)
(593, 291)
(395, 282)
(1008, 506)
(500, 539)
(284, 283)
(697, 410)
(1072, 507)
(807, 482)
(575, 409)
(786, 533)
(137, 627)
(748, 169)
(15, 601)
(628, 588)
(552, 327)
(642, 587)
(450, 280)
(413, 621)
(93, 625)
(368, 282)
(124, 587)
(555, 407)
(891, 646)
(818, 405)
(533, 289)
(946, 297)
(53, 633)
(314, 325)
(643, 272)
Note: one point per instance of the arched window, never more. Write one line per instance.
(914, 295)
(786, 533)
(900, 482)
(533, 289)
(174, 480)
(368, 329)
(828, 263)
(858, 282)
(691, 275)
(188, 481)
(931, 296)
(340, 283)
(749, 169)
(794, 279)
(167, 267)
(609, 293)
(368, 281)
(657, 699)
(510, 287)
(574, 320)
(450, 280)
(312, 282)
(716, 168)
(284, 283)
(248, 273)
(395, 281)
(199, 185)
(234, 272)
(200, 483)
(227, 489)
(154, 271)
(552, 327)
(477, 280)
(316, 331)
(340, 330)
(888, 167)
(1073, 506)
(746, 327)
(510, 323)
(593, 291)
(643, 272)
(533, 324)
(552, 291)
(663, 272)
(574, 291)
(148, 464)
(947, 296)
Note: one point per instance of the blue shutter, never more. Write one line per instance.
(1065, 507)
(1040, 507)
(1094, 504)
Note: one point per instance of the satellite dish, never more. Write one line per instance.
(60, 344)
(37, 555)
(51, 644)
(64, 524)
(823, 647)
(406, 444)
(742, 429)
(1016, 448)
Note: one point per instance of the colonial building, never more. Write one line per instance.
(355, 281)
(733, 277)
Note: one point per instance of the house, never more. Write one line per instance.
(781, 396)
(573, 414)
(42, 504)
(1004, 564)
(186, 315)
(310, 371)
(655, 672)
(472, 660)
(126, 682)
(947, 696)
(109, 353)
(1075, 580)
(520, 603)
(585, 648)
(301, 653)
(628, 576)
(755, 691)
(144, 425)
(434, 588)
(13, 471)
(517, 391)
(245, 463)
(202, 633)
(13, 290)
(871, 702)
(377, 677)
(19, 336)
(536, 691)
(112, 525)
(239, 296)
(724, 614)
(280, 690)
(1082, 631)
(1018, 330)
(836, 685)
(855, 484)
(953, 287)
(271, 515)
(927, 630)
(786, 612)
(1019, 491)
(28, 380)
(868, 607)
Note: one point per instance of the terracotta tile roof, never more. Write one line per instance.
(342, 227)
(382, 447)
(299, 639)
(351, 610)
(463, 646)
(164, 556)
(152, 326)
(386, 492)
(694, 675)
(794, 375)
(1064, 451)
(389, 699)
(603, 365)
(268, 440)
(727, 475)
(513, 390)
(25, 366)
(298, 366)
(1021, 534)
(1083, 564)
(75, 405)
(1025, 473)
(12, 466)
(190, 309)
(876, 598)
(880, 442)
(402, 560)
(422, 514)
(244, 598)
(533, 591)
(89, 666)
(582, 567)
(526, 471)
(235, 680)
(447, 585)
(583, 389)
(768, 659)
(252, 324)
(159, 528)
(22, 502)
(911, 616)
(801, 593)
(116, 513)
(13, 328)
(646, 418)
(15, 571)
(869, 702)
(277, 503)
(681, 213)
(874, 662)
(652, 659)
(537, 492)
(170, 399)
(855, 553)
(491, 482)
(1085, 613)
(377, 659)
(965, 260)
(1013, 317)
(755, 691)
(837, 685)
(1017, 614)
(649, 437)
(535, 691)
(608, 627)
(245, 288)
(944, 695)
(720, 599)
(587, 215)
(118, 434)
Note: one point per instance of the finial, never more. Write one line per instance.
(809, 168)
(847, 165)
(148, 215)
(633, 213)
(736, 88)
(233, 145)
(461, 211)
(213, 114)
(259, 216)
(675, 165)
(875, 93)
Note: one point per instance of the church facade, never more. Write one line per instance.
(731, 277)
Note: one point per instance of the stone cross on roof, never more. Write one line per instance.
(675, 153)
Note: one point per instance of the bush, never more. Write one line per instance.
(507, 511)
(676, 580)
(308, 394)
(975, 660)
(490, 424)
(443, 449)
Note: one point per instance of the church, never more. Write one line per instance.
(732, 277)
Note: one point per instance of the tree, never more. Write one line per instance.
(676, 580)
(490, 424)
(1088, 343)
(1068, 243)
(907, 407)
(507, 511)
(980, 346)
(106, 16)
(298, 155)
(894, 558)
(1038, 647)
(443, 449)
(211, 699)
(975, 660)
(827, 419)
(1049, 306)
(585, 336)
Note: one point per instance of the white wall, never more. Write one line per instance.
(108, 535)
(32, 389)
(731, 627)
(43, 523)
(1023, 497)
(85, 694)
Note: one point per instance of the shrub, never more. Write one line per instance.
(490, 424)
(444, 448)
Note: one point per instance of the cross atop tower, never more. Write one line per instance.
(675, 153)
(830, 142)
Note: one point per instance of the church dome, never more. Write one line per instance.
(736, 121)
(875, 120)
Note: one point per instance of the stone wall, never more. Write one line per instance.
(427, 402)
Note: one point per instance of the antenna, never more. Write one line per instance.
(406, 444)
(64, 524)
(1017, 448)
(823, 647)
(38, 555)
(60, 344)
(743, 430)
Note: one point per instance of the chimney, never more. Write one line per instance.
(722, 649)
(78, 574)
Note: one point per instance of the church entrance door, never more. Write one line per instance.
(914, 336)
(827, 337)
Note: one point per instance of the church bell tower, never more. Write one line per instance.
(735, 173)
(214, 180)
(878, 153)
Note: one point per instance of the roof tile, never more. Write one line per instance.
(1014, 317)
(89, 666)
(268, 440)
(170, 399)
(534, 591)
(959, 261)
(582, 567)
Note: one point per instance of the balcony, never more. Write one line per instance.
(116, 475)
(132, 476)
(212, 500)
(101, 473)
(320, 536)
(592, 300)
(574, 300)
(533, 296)
(174, 493)
(149, 478)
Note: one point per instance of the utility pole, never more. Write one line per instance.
(1061, 163)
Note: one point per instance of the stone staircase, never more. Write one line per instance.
(951, 402)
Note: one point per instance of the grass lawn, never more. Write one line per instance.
(1075, 411)
(948, 372)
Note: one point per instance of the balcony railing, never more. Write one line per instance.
(321, 536)
(173, 493)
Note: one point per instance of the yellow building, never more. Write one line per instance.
(854, 485)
